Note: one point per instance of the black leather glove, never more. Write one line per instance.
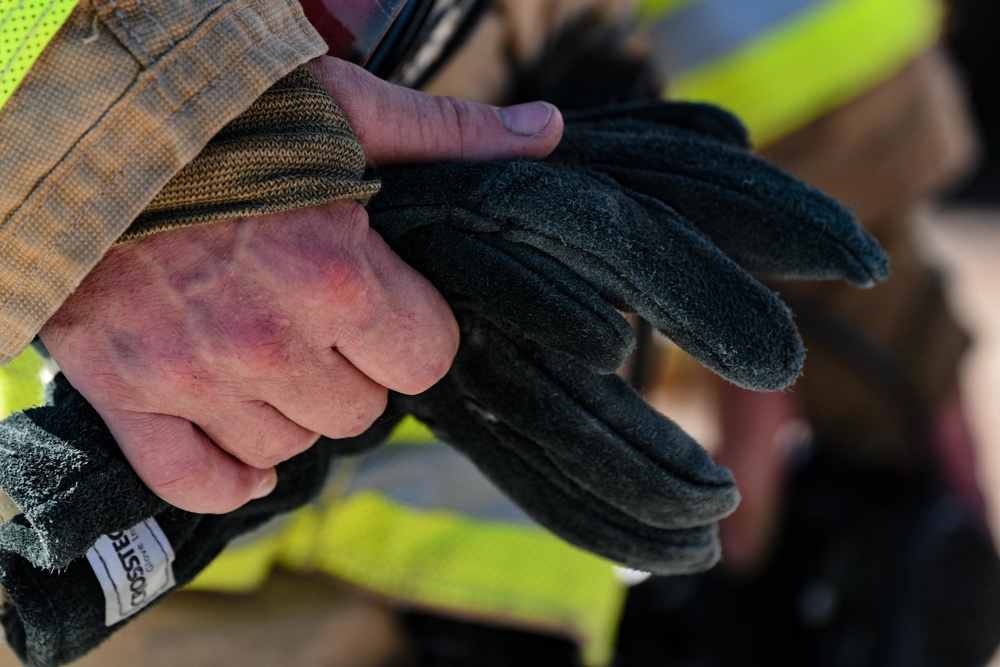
(536, 259)
(657, 209)
(63, 469)
(694, 158)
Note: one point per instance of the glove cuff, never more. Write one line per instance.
(292, 148)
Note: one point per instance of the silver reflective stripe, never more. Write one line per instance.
(707, 30)
(433, 477)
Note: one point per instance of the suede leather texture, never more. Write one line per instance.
(656, 209)
(74, 485)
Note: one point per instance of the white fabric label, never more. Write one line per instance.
(134, 566)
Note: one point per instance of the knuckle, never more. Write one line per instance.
(344, 279)
(328, 254)
(264, 437)
(271, 451)
(340, 273)
(433, 352)
(193, 488)
(358, 411)
(458, 119)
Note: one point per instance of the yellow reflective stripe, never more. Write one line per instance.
(442, 560)
(652, 9)
(809, 66)
(241, 568)
(411, 431)
(26, 28)
(245, 565)
(445, 560)
(21, 383)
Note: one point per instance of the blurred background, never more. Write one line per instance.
(871, 490)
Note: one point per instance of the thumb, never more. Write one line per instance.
(397, 125)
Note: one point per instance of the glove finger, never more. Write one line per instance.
(522, 291)
(661, 269)
(659, 116)
(803, 234)
(592, 525)
(607, 439)
(769, 222)
(643, 258)
(566, 509)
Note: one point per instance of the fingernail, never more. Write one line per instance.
(266, 486)
(526, 119)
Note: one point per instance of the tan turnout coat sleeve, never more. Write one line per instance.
(127, 93)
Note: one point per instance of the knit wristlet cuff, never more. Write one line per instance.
(291, 149)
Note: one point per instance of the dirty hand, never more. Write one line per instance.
(211, 352)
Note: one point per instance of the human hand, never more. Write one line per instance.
(398, 125)
(213, 353)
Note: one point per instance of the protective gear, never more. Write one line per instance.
(502, 250)
(545, 417)
(849, 96)
(780, 65)
(768, 222)
(290, 149)
(21, 385)
(72, 484)
(414, 523)
(27, 28)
